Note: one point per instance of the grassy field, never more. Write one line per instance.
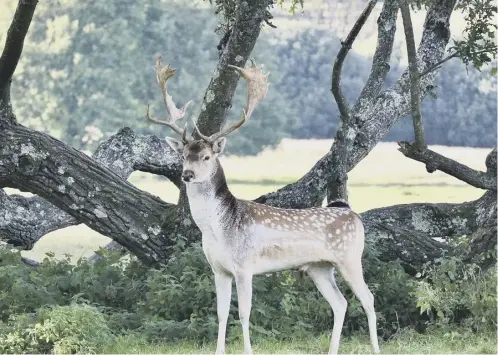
(385, 177)
(435, 341)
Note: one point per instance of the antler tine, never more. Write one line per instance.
(257, 87)
(174, 113)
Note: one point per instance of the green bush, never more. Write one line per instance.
(60, 307)
(59, 330)
(453, 291)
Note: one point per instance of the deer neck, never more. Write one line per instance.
(211, 202)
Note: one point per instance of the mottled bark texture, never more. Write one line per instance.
(34, 217)
(418, 126)
(242, 38)
(11, 53)
(406, 232)
(73, 188)
(337, 184)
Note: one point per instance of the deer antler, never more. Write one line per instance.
(174, 113)
(257, 87)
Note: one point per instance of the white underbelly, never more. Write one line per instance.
(277, 251)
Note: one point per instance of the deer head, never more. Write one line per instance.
(200, 157)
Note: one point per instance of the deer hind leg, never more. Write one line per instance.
(353, 274)
(223, 283)
(243, 282)
(323, 277)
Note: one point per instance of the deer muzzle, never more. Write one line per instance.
(187, 175)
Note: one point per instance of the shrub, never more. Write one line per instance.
(453, 291)
(40, 307)
(59, 330)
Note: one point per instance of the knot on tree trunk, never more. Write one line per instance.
(430, 167)
(491, 162)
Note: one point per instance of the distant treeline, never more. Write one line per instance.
(87, 70)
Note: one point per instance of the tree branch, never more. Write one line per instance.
(454, 55)
(242, 38)
(341, 56)
(23, 221)
(418, 151)
(418, 125)
(337, 184)
(15, 40)
(439, 64)
(386, 31)
(406, 232)
(435, 161)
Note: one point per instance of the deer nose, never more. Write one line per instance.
(187, 175)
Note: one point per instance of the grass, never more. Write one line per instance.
(385, 177)
(434, 341)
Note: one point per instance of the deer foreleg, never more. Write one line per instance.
(244, 294)
(223, 284)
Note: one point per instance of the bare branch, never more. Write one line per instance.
(386, 30)
(435, 161)
(406, 232)
(24, 220)
(418, 151)
(418, 125)
(438, 65)
(376, 120)
(341, 56)
(15, 40)
(337, 184)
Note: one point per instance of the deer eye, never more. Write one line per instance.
(206, 157)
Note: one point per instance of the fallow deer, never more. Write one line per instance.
(241, 238)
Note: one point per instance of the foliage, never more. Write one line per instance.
(435, 341)
(68, 307)
(60, 330)
(453, 291)
(478, 46)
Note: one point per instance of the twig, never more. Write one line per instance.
(418, 125)
(438, 64)
(15, 40)
(453, 55)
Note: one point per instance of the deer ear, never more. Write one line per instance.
(176, 145)
(219, 145)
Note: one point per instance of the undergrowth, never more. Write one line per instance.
(59, 307)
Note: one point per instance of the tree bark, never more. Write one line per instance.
(219, 94)
(337, 184)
